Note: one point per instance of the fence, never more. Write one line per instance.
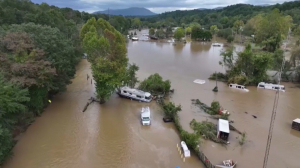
(205, 160)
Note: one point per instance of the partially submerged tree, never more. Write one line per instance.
(106, 48)
(179, 33)
(130, 78)
(155, 84)
(170, 109)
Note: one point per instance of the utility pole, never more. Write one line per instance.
(274, 108)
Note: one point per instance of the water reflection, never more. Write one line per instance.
(295, 133)
(178, 47)
(197, 47)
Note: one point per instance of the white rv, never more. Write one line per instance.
(134, 94)
(240, 87)
(271, 86)
(185, 149)
(145, 116)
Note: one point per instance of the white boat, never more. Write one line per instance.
(134, 94)
(199, 81)
(145, 116)
(227, 164)
(239, 87)
(271, 86)
(186, 151)
(134, 39)
(217, 44)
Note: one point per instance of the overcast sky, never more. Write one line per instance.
(156, 6)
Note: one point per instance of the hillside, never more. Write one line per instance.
(134, 11)
(222, 17)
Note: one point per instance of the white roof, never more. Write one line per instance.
(135, 91)
(145, 111)
(223, 125)
(297, 120)
(234, 84)
(183, 145)
(263, 83)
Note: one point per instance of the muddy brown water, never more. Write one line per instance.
(111, 136)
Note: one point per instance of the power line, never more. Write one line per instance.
(274, 110)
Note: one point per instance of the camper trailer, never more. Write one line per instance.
(223, 129)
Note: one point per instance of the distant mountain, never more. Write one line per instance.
(217, 8)
(134, 11)
(263, 5)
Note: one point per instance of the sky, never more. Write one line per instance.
(156, 6)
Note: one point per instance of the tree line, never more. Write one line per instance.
(40, 46)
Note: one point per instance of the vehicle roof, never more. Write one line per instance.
(223, 125)
(297, 120)
(135, 91)
(263, 83)
(145, 111)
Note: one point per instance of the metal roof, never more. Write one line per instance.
(223, 125)
(297, 120)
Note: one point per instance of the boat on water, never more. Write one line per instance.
(134, 94)
(216, 44)
(227, 164)
(186, 151)
(239, 87)
(270, 86)
(134, 39)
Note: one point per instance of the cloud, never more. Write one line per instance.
(157, 6)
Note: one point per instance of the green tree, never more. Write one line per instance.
(214, 29)
(151, 32)
(179, 33)
(171, 110)
(106, 48)
(155, 84)
(11, 103)
(136, 23)
(272, 29)
(131, 78)
(188, 30)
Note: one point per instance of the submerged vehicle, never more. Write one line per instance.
(134, 94)
(145, 116)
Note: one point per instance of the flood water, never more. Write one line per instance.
(111, 136)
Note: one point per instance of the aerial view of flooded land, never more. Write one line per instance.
(194, 89)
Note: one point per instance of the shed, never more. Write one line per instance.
(223, 129)
(296, 124)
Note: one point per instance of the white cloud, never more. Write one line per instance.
(157, 6)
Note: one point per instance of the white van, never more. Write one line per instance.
(145, 116)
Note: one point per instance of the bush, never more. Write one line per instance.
(239, 79)
(155, 84)
(229, 39)
(215, 107)
(191, 139)
(6, 143)
(243, 138)
(170, 109)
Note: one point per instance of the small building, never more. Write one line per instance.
(84, 56)
(223, 129)
(296, 124)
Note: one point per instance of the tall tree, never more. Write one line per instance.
(106, 49)
(179, 33)
(214, 29)
(272, 29)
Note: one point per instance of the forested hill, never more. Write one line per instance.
(224, 17)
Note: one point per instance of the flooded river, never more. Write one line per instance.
(111, 136)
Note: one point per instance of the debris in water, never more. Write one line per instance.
(246, 112)
(254, 116)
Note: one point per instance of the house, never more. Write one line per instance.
(223, 129)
